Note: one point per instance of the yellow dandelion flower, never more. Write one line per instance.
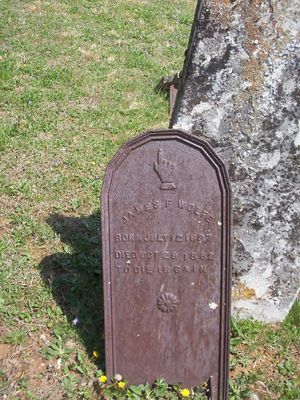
(102, 378)
(121, 385)
(96, 354)
(185, 392)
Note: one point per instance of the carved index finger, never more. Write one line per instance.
(159, 156)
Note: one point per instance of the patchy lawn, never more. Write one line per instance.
(77, 79)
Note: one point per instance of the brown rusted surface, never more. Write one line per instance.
(166, 261)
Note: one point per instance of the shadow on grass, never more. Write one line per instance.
(75, 276)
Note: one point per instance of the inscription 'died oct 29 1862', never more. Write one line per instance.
(166, 262)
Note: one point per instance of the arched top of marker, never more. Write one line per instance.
(162, 165)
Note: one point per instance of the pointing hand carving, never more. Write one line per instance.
(165, 170)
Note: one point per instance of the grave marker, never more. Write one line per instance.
(166, 262)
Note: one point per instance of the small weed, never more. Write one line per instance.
(16, 337)
(70, 384)
(82, 366)
(57, 349)
(239, 388)
(23, 387)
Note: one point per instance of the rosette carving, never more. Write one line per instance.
(167, 302)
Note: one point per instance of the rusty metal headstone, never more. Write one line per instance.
(166, 262)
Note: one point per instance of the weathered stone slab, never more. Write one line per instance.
(241, 89)
(166, 261)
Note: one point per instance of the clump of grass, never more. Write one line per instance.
(265, 358)
(118, 388)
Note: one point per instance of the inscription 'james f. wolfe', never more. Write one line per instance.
(166, 259)
(150, 206)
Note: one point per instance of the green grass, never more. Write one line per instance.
(265, 358)
(77, 79)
